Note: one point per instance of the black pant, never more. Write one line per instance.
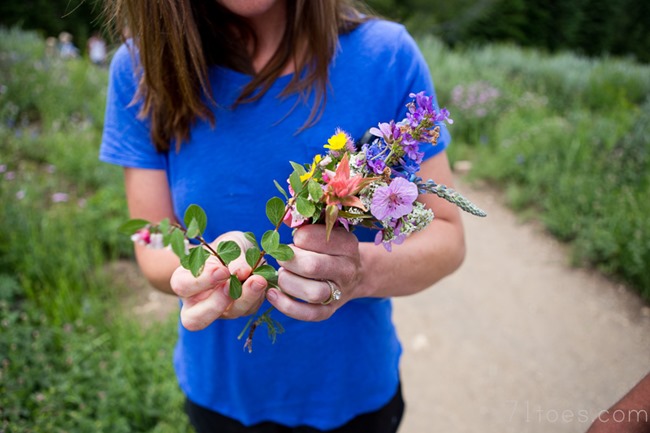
(384, 420)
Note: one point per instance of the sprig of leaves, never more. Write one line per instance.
(178, 238)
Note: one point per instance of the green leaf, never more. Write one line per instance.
(228, 251)
(275, 210)
(315, 190)
(282, 252)
(252, 256)
(177, 241)
(193, 229)
(296, 184)
(270, 240)
(194, 211)
(132, 226)
(282, 191)
(195, 260)
(268, 272)
(250, 236)
(305, 207)
(298, 168)
(235, 288)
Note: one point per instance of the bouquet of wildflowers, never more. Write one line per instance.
(374, 185)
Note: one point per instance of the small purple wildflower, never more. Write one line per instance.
(10, 175)
(59, 197)
(398, 238)
(373, 153)
(3, 168)
(395, 200)
(20, 194)
(388, 131)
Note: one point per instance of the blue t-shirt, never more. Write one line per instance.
(317, 374)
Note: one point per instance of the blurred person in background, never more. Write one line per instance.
(97, 49)
(67, 49)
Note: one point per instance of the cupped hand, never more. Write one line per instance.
(304, 279)
(206, 298)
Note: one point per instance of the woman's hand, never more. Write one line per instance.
(206, 299)
(306, 276)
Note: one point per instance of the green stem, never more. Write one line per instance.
(202, 241)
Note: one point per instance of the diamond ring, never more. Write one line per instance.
(335, 293)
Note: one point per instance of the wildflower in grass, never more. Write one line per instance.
(10, 175)
(395, 200)
(20, 194)
(3, 168)
(59, 197)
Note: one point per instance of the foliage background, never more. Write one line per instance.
(591, 27)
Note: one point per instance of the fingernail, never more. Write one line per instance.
(220, 274)
(257, 286)
(272, 295)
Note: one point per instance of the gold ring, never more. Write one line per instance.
(335, 293)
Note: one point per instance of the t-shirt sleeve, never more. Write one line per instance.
(415, 75)
(126, 138)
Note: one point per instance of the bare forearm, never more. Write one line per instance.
(630, 415)
(157, 266)
(422, 260)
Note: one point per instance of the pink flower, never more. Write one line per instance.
(59, 197)
(142, 237)
(341, 188)
(294, 219)
(395, 200)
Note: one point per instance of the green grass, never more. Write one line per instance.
(567, 139)
(70, 358)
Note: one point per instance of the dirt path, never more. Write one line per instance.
(516, 341)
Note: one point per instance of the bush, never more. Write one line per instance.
(68, 360)
(567, 137)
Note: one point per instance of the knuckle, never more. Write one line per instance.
(310, 266)
(315, 295)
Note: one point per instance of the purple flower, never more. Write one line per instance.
(388, 131)
(374, 155)
(398, 238)
(395, 200)
(59, 197)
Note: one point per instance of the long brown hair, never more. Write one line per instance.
(178, 40)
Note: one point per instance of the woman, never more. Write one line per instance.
(208, 104)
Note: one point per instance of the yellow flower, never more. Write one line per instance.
(310, 173)
(337, 141)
